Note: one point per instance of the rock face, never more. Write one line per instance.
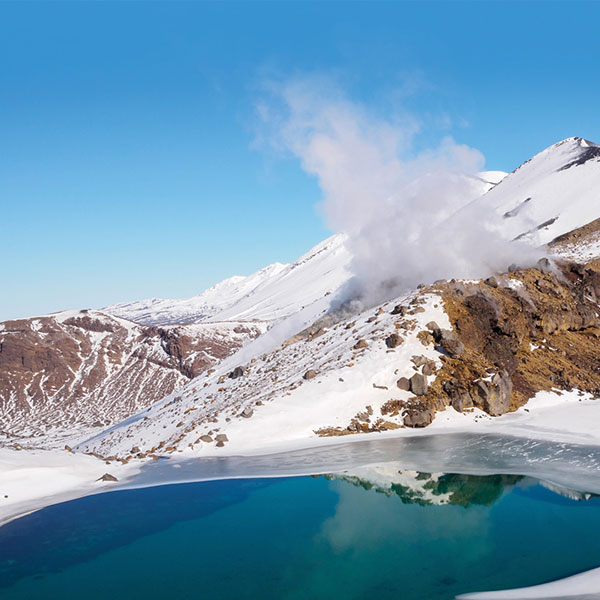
(88, 369)
(511, 340)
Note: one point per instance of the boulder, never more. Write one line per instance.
(449, 342)
(360, 344)
(237, 372)
(310, 374)
(418, 415)
(418, 384)
(428, 368)
(494, 396)
(399, 310)
(221, 437)
(404, 384)
(206, 438)
(418, 360)
(107, 477)
(393, 340)
(247, 412)
(460, 398)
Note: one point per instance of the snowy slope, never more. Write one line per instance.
(285, 407)
(270, 294)
(155, 311)
(556, 191)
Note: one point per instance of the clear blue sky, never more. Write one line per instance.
(126, 129)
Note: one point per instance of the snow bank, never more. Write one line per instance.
(32, 479)
(583, 586)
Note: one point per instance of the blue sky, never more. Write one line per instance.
(127, 130)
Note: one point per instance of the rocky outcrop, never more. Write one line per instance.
(537, 329)
(418, 414)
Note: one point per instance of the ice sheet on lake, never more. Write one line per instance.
(574, 466)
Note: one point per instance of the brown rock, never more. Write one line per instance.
(418, 384)
(494, 396)
(107, 477)
(360, 344)
(418, 415)
(404, 384)
(449, 342)
(428, 368)
(399, 310)
(393, 341)
(310, 374)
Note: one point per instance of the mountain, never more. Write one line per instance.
(288, 363)
(476, 348)
(77, 370)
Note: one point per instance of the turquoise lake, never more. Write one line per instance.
(302, 538)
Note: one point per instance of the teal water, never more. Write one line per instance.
(301, 538)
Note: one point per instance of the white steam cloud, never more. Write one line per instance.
(404, 216)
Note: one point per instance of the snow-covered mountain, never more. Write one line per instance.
(555, 192)
(156, 311)
(549, 195)
(273, 293)
(270, 294)
(346, 376)
(301, 373)
(72, 371)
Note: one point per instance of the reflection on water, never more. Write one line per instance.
(376, 531)
(444, 488)
(438, 488)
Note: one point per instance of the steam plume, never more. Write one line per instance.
(404, 215)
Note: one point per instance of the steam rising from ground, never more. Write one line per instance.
(402, 213)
